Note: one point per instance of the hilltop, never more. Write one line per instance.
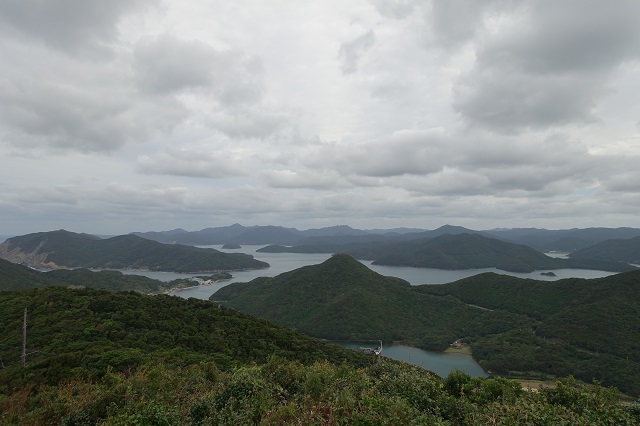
(587, 328)
(63, 249)
(343, 299)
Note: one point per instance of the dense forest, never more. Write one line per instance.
(18, 277)
(515, 327)
(99, 357)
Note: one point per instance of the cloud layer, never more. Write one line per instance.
(137, 115)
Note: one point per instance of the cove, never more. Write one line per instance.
(441, 363)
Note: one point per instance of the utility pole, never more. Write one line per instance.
(24, 339)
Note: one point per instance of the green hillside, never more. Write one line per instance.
(343, 299)
(63, 249)
(128, 359)
(624, 250)
(93, 329)
(467, 251)
(18, 277)
(588, 328)
(585, 328)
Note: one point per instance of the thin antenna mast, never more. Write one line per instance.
(24, 339)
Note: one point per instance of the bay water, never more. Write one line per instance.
(284, 262)
(441, 363)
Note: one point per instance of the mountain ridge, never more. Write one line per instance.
(538, 238)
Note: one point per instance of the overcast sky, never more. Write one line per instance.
(138, 115)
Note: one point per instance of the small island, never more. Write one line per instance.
(200, 280)
(232, 246)
(548, 274)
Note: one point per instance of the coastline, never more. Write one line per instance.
(199, 283)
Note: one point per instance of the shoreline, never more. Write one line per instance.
(173, 290)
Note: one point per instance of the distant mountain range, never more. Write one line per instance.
(261, 235)
(565, 240)
(63, 249)
(239, 234)
(587, 328)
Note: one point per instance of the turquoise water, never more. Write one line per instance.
(440, 363)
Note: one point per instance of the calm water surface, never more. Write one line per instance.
(440, 363)
(283, 262)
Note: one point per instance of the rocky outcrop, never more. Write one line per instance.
(33, 259)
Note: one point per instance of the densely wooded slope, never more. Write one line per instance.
(63, 249)
(129, 359)
(343, 299)
(18, 277)
(92, 329)
(587, 328)
(624, 250)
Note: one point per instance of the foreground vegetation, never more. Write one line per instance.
(280, 392)
(515, 327)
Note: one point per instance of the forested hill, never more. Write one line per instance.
(625, 250)
(585, 328)
(94, 329)
(63, 249)
(456, 251)
(466, 251)
(343, 299)
(18, 277)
